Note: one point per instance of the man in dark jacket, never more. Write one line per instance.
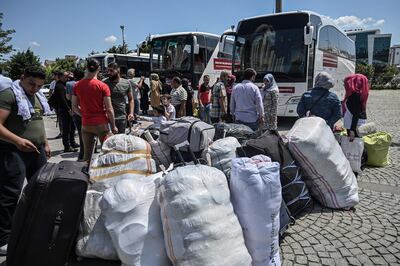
(65, 114)
(320, 101)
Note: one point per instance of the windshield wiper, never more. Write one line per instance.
(284, 75)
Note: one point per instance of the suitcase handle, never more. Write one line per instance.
(56, 229)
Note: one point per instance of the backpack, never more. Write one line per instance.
(198, 133)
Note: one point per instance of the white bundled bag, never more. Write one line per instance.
(328, 176)
(122, 154)
(200, 227)
(122, 157)
(93, 239)
(256, 197)
(132, 217)
(221, 152)
(353, 150)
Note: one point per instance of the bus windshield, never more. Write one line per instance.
(172, 53)
(273, 44)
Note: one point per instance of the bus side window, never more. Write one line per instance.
(211, 45)
(323, 39)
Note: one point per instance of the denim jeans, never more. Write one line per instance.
(68, 132)
(78, 124)
(15, 166)
(136, 107)
(205, 113)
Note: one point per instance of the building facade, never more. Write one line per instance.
(394, 56)
(372, 47)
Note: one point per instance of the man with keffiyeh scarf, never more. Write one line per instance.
(23, 142)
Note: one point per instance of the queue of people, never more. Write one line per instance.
(102, 108)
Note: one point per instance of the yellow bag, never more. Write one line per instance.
(377, 146)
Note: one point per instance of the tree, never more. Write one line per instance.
(145, 49)
(63, 64)
(118, 49)
(93, 52)
(366, 70)
(49, 72)
(388, 73)
(5, 38)
(19, 61)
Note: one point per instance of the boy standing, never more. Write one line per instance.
(170, 111)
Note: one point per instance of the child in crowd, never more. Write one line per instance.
(170, 112)
(158, 118)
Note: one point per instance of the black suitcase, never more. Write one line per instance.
(47, 217)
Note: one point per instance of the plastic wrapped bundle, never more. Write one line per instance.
(132, 217)
(200, 227)
(93, 239)
(122, 157)
(328, 173)
(256, 198)
(123, 154)
(221, 152)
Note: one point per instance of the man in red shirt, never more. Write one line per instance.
(92, 101)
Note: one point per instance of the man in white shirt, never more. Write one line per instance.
(178, 96)
(53, 83)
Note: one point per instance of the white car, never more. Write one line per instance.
(45, 90)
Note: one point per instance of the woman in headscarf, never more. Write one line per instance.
(155, 90)
(355, 103)
(270, 93)
(229, 87)
(320, 101)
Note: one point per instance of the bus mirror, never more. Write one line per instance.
(196, 46)
(308, 34)
(196, 49)
(221, 44)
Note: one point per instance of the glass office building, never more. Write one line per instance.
(371, 47)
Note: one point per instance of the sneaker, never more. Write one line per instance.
(3, 250)
(70, 149)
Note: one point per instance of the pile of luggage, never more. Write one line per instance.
(197, 195)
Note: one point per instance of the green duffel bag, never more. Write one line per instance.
(377, 146)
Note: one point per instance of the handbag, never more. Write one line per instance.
(353, 150)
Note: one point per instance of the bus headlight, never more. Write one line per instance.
(294, 100)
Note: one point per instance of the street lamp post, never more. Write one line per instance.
(278, 6)
(123, 38)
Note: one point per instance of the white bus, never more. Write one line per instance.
(141, 63)
(189, 55)
(294, 47)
